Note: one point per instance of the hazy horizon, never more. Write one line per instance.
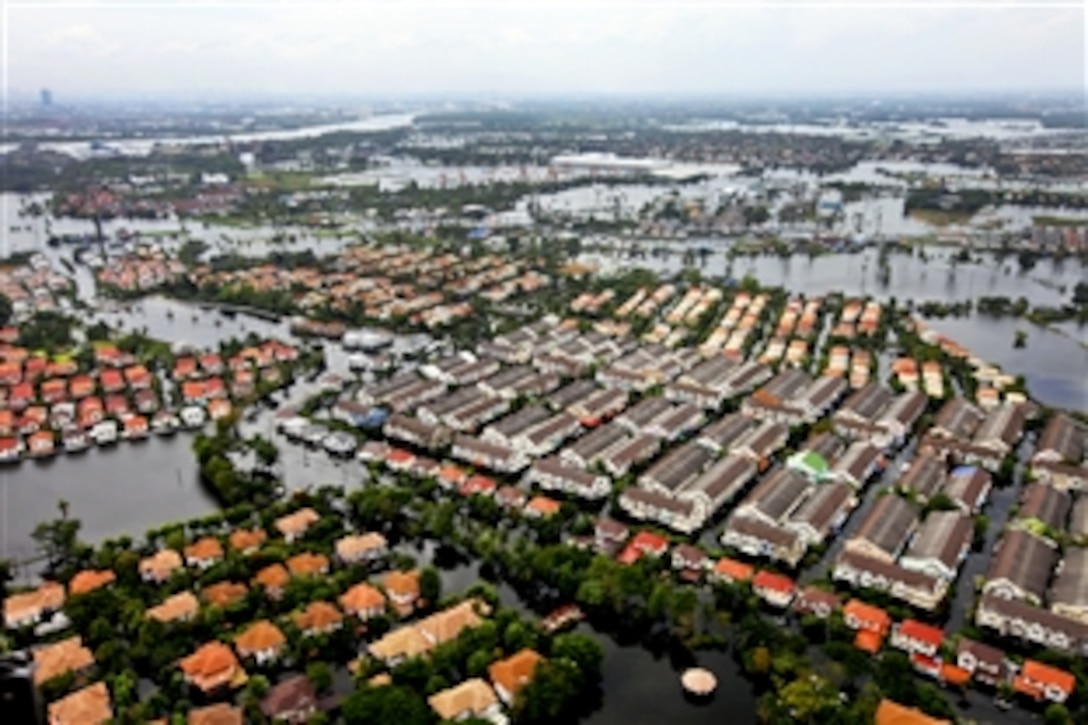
(175, 50)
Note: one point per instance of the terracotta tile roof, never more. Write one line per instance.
(89, 706)
(247, 539)
(733, 569)
(471, 696)
(868, 641)
(89, 579)
(543, 506)
(258, 637)
(273, 576)
(921, 632)
(53, 660)
(297, 522)
(161, 565)
(224, 593)
(213, 665)
(179, 606)
(356, 545)
(889, 712)
(220, 714)
(207, 548)
(26, 605)
(402, 584)
(446, 625)
(405, 641)
(1037, 672)
(361, 598)
(871, 617)
(307, 563)
(773, 582)
(515, 671)
(317, 616)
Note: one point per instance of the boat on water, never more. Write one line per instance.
(561, 618)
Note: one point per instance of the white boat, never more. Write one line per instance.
(105, 433)
(193, 416)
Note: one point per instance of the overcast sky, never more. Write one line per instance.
(163, 47)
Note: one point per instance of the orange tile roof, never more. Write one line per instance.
(246, 539)
(543, 506)
(872, 617)
(54, 660)
(212, 665)
(350, 547)
(90, 579)
(224, 593)
(207, 548)
(733, 569)
(361, 598)
(402, 583)
(179, 606)
(889, 712)
(955, 675)
(89, 706)
(317, 616)
(473, 696)
(18, 607)
(868, 641)
(219, 714)
(258, 637)
(297, 522)
(161, 564)
(1038, 672)
(273, 576)
(515, 671)
(307, 563)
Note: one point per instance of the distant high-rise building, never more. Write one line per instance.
(47, 97)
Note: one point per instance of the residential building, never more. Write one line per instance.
(940, 545)
(1020, 567)
(885, 530)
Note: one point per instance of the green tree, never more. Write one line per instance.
(584, 651)
(430, 585)
(1057, 714)
(388, 704)
(320, 675)
(809, 698)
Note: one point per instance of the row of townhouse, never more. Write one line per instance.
(792, 397)
(1061, 456)
(876, 414)
(966, 434)
(913, 561)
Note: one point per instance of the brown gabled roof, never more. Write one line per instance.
(90, 579)
(245, 539)
(1024, 560)
(89, 706)
(206, 548)
(219, 714)
(888, 524)
(224, 593)
(259, 636)
(178, 606)
(295, 694)
(317, 616)
(515, 671)
(307, 563)
(53, 660)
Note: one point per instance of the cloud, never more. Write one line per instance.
(370, 48)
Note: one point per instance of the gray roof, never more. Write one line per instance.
(778, 494)
(926, 475)
(942, 536)
(868, 402)
(888, 524)
(520, 421)
(598, 440)
(1045, 503)
(1071, 583)
(1065, 437)
(728, 430)
(819, 509)
(1024, 560)
(678, 466)
(959, 418)
(1078, 518)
